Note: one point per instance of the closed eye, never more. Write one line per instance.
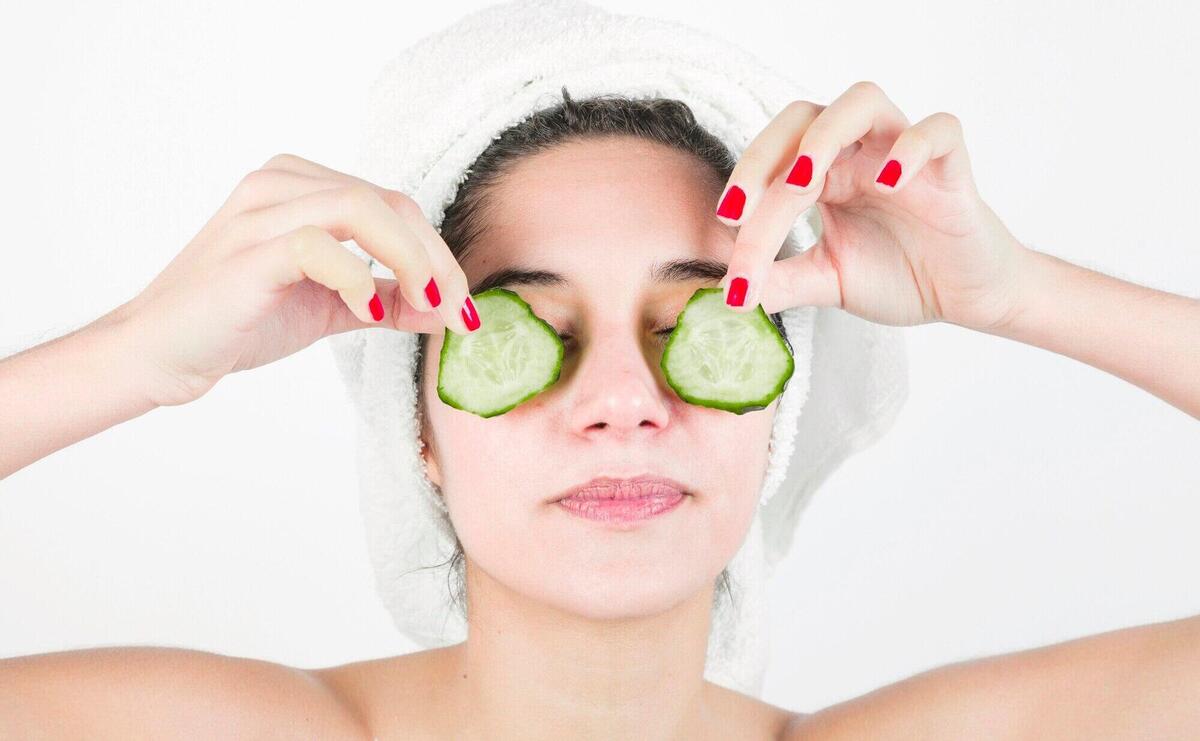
(565, 336)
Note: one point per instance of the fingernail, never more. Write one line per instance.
(431, 293)
(737, 292)
(376, 308)
(801, 173)
(470, 318)
(732, 204)
(890, 174)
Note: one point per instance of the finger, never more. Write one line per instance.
(448, 278)
(311, 252)
(357, 212)
(863, 112)
(758, 242)
(448, 290)
(398, 313)
(298, 165)
(762, 159)
(259, 189)
(366, 301)
(262, 188)
(807, 279)
(937, 138)
(301, 166)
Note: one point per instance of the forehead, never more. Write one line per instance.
(618, 209)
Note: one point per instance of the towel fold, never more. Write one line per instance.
(432, 111)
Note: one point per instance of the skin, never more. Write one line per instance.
(598, 654)
(567, 618)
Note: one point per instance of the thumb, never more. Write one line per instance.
(397, 313)
(808, 279)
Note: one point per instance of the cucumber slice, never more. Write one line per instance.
(720, 358)
(512, 357)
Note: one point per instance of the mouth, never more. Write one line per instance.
(607, 488)
(622, 502)
(622, 511)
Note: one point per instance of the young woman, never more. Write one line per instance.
(562, 653)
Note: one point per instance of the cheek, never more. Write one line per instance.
(496, 476)
(499, 472)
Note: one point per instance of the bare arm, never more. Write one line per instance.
(60, 392)
(167, 693)
(264, 278)
(1148, 337)
(1132, 683)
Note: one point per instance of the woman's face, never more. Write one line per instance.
(603, 214)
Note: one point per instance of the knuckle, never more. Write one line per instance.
(867, 87)
(944, 118)
(800, 108)
(817, 131)
(358, 199)
(306, 240)
(402, 204)
(916, 138)
(251, 184)
(283, 161)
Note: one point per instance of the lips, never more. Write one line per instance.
(638, 487)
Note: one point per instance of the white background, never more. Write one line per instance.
(1022, 497)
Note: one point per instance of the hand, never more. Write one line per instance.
(268, 275)
(926, 248)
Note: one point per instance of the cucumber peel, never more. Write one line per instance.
(511, 358)
(715, 357)
(724, 359)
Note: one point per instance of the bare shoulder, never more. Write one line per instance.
(396, 696)
(1124, 683)
(979, 699)
(163, 692)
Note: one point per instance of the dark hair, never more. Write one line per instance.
(663, 120)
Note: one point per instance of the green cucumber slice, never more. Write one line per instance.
(724, 359)
(512, 357)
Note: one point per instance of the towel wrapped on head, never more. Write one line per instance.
(433, 110)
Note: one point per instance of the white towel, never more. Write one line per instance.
(432, 111)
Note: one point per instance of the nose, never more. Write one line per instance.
(615, 387)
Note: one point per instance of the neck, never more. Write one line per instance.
(531, 671)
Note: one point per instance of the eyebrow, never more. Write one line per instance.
(674, 271)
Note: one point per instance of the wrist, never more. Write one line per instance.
(112, 350)
(126, 341)
(1029, 270)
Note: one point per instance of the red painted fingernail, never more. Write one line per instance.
(431, 293)
(470, 318)
(801, 173)
(890, 174)
(376, 308)
(737, 292)
(732, 204)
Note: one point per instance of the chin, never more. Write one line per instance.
(613, 594)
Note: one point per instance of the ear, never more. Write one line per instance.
(429, 455)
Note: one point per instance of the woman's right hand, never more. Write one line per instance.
(237, 297)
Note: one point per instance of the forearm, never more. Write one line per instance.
(68, 389)
(1148, 337)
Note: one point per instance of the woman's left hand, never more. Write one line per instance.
(924, 248)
